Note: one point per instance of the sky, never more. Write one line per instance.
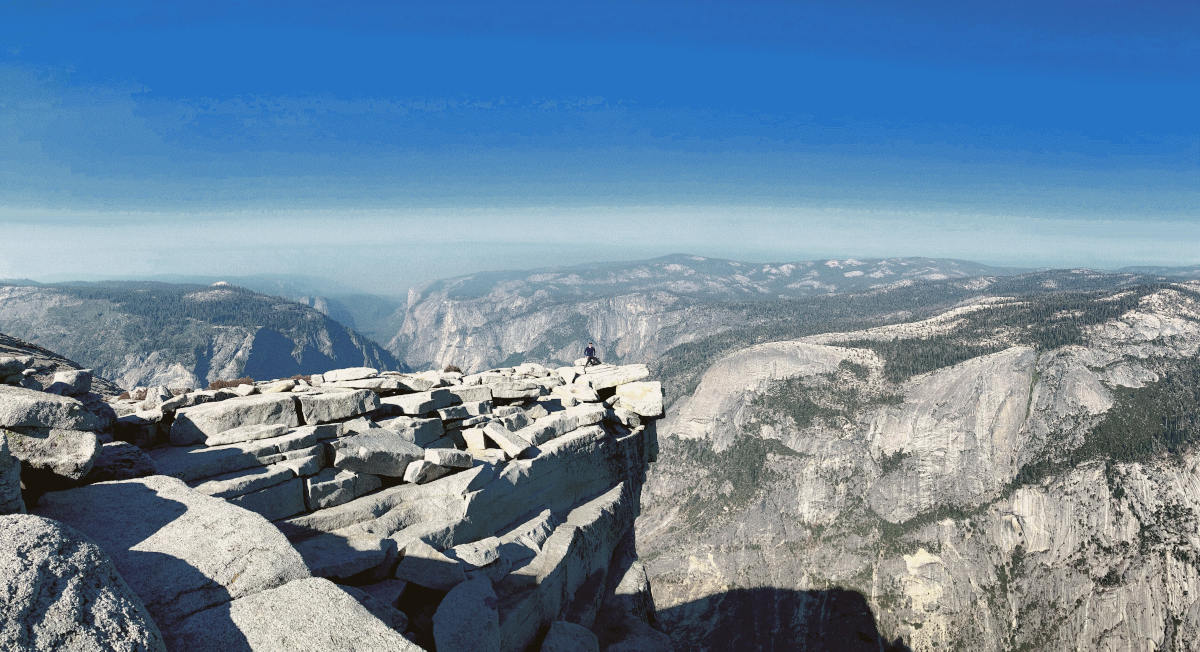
(383, 144)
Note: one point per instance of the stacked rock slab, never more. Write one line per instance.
(49, 439)
(430, 509)
(204, 568)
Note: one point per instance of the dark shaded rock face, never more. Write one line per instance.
(779, 619)
(10, 481)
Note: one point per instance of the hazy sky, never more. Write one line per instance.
(386, 143)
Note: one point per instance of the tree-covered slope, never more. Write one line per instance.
(140, 333)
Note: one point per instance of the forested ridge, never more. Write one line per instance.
(1051, 310)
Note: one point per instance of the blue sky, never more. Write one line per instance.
(1038, 133)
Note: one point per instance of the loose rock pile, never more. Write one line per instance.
(378, 510)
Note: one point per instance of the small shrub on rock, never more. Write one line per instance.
(224, 384)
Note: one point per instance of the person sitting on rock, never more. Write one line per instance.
(590, 353)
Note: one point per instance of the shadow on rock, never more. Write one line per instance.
(777, 619)
(144, 534)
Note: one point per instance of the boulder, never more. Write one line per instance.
(386, 594)
(418, 431)
(350, 373)
(342, 557)
(179, 550)
(449, 458)
(71, 382)
(306, 465)
(155, 397)
(532, 369)
(516, 420)
(434, 377)
(515, 389)
(465, 411)
(279, 387)
(245, 433)
(569, 637)
(14, 365)
(420, 563)
(333, 487)
(478, 553)
(140, 428)
(608, 376)
(357, 426)
(246, 481)
(309, 614)
(422, 471)
(10, 482)
(577, 392)
(411, 383)
(276, 502)
(67, 454)
(378, 452)
(422, 402)
(471, 393)
(324, 407)
(195, 424)
(467, 619)
(29, 380)
(324, 431)
(567, 374)
(189, 399)
(120, 461)
(26, 408)
(61, 592)
(534, 532)
(475, 421)
(199, 462)
(624, 417)
(382, 385)
(513, 444)
(644, 398)
(245, 389)
(559, 423)
(475, 439)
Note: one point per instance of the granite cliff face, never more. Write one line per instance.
(634, 311)
(354, 509)
(175, 335)
(1017, 473)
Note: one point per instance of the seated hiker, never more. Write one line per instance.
(590, 352)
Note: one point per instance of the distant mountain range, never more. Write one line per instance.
(373, 315)
(633, 310)
(143, 333)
